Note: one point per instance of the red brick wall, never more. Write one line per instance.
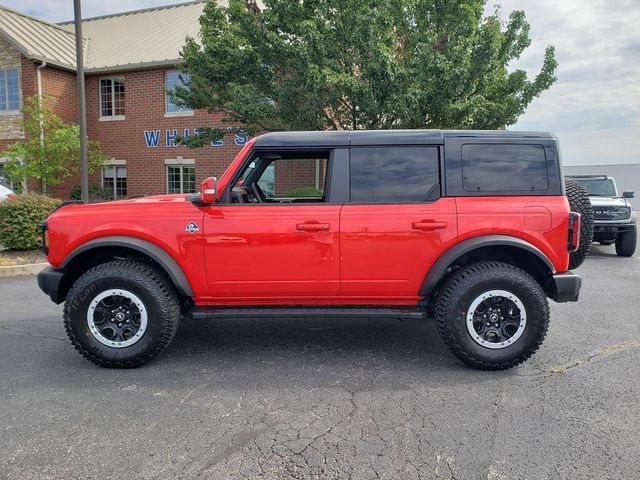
(145, 110)
(61, 85)
(293, 174)
(125, 139)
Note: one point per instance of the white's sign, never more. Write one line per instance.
(152, 137)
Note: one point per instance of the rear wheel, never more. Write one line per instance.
(122, 313)
(626, 242)
(579, 202)
(492, 315)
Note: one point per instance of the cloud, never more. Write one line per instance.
(595, 105)
(62, 10)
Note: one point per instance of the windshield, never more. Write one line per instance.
(598, 187)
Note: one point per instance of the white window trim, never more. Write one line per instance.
(184, 113)
(180, 113)
(177, 162)
(113, 163)
(113, 118)
(109, 118)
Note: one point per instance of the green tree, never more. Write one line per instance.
(356, 64)
(50, 151)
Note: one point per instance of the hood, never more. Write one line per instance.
(154, 199)
(73, 210)
(609, 202)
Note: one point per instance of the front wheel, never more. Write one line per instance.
(492, 315)
(626, 243)
(121, 314)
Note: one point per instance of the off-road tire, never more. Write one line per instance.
(151, 285)
(626, 243)
(579, 202)
(456, 296)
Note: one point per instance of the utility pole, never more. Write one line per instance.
(82, 112)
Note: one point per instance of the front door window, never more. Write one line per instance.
(285, 177)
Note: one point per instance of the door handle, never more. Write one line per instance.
(428, 226)
(312, 227)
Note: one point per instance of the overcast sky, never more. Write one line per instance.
(594, 107)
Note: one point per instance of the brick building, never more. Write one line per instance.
(131, 61)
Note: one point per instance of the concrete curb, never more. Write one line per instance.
(19, 270)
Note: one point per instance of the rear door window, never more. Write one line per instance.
(502, 167)
(394, 174)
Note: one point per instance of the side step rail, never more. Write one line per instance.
(207, 313)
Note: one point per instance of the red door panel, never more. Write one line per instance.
(386, 250)
(266, 254)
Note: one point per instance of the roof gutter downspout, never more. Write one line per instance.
(40, 116)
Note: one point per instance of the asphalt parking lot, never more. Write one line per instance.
(336, 398)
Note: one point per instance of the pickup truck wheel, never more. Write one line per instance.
(626, 243)
(579, 202)
(122, 313)
(492, 315)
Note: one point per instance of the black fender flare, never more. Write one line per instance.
(439, 268)
(165, 260)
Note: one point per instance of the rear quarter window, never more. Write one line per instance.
(504, 167)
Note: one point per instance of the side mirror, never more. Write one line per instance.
(630, 194)
(209, 190)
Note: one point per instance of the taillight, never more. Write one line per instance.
(45, 238)
(575, 220)
(11, 195)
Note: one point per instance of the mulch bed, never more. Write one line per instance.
(21, 257)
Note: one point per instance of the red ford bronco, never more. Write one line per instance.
(474, 229)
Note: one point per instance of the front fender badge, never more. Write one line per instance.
(192, 227)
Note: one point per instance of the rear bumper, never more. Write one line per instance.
(567, 287)
(49, 281)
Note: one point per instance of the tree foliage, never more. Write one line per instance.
(361, 64)
(53, 157)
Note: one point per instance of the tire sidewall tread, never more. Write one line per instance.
(579, 202)
(626, 243)
(151, 285)
(463, 286)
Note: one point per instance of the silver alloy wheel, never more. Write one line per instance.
(117, 318)
(496, 319)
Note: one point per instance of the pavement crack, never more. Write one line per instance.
(603, 352)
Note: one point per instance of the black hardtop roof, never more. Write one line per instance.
(382, 137)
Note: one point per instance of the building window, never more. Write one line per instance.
(9, 90)
(4, 181)
(174, 78)
(181, 179)
(111, 97)
(114, 179)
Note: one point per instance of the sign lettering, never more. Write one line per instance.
(152, 137)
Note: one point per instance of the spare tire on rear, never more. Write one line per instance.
(579, 202)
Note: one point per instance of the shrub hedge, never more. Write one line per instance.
(21, 219)
(96, 192)
(304, 192)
